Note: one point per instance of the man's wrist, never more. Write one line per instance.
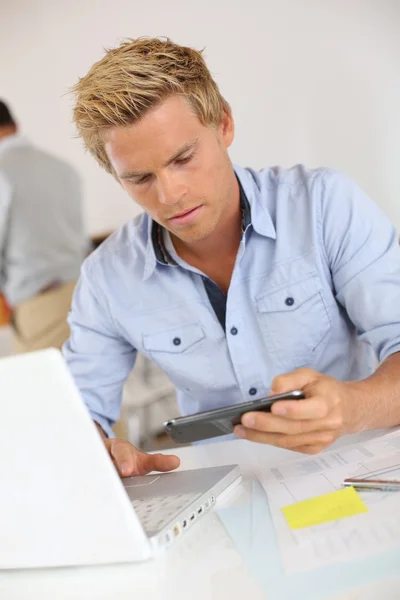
(359, 406)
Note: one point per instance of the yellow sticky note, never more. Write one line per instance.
(329, 507)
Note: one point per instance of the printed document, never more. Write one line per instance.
(345, 539)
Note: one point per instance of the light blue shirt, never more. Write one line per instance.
(316, 284)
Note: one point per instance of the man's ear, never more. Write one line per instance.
(226, 128)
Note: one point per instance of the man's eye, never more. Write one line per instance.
(142, 180)
(182, 161)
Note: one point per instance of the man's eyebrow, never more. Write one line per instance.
(185, 148)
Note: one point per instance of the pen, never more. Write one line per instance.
(372, 484)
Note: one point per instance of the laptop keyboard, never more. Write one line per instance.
(155, 513)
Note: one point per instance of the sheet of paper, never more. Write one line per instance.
(250, 527)
(323, 509)
(359, 536)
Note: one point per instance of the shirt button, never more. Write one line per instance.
(234, 331)
(253, 391)
(289, 301)
(177, 341)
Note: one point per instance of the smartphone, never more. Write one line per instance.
(220, 421)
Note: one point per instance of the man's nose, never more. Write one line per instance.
(170, 191)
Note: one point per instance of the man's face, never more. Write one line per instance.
(175, 168)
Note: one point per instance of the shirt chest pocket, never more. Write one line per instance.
(181, 353)
(295, 323)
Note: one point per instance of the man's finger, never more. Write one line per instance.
(130, 461)
(310, 449)
(155, 462)
(296, 380)
(270, 423)
(316, 407)
(288, 442)
(123, 455)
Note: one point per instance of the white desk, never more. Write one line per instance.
(204, 564)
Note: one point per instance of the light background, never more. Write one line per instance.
(310, 81)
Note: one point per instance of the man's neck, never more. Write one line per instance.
(224, 240)
(216, 255)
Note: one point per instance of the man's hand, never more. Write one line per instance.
(328, 411)
(130, 461)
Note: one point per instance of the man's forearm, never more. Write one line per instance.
(377, 398)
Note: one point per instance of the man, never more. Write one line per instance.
(237, 283)
(42, 238)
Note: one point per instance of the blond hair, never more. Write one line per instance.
(134, 78)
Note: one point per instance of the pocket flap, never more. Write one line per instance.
(290, 297)
(174, 340)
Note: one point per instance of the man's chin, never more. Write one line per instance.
(190, 237)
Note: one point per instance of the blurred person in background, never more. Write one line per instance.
(42, 238)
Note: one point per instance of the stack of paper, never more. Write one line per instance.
(305, 546)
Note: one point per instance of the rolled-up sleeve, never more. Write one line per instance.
(99, 358)
(363, 254)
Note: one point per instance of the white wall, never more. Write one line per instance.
(311, 81)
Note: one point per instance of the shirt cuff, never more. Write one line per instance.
(104, 424)
(393, 349)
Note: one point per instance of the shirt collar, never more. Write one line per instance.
(13, 141)
(257, 198)
(161, 252)
(253, 213)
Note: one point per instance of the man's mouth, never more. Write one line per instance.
(186, 216)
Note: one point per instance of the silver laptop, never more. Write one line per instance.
(62, 501)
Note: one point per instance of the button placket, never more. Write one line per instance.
(245, 368)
